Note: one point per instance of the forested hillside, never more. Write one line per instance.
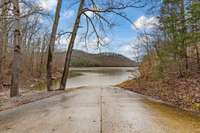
(83, 59)
(170, 67)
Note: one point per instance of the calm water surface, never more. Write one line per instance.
(98, 76)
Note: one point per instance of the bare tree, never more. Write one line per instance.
(1, 47)
(51, 46)
(1, 55)
(43, 49)
(70, 47)
(17, 50)
(99, 9)
(4, 34)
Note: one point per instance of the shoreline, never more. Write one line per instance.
(173, 100)
(154, 99)
(34, 97)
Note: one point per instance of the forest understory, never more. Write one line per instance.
(182, 92)
(30, 89)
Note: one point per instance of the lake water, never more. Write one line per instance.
(96, 76)
(100, 76)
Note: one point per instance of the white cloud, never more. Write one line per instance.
(92, 45)
(68, 14)
(89, 13)
(62, 41)
(48, 4)
(126, 50)
(145, 23)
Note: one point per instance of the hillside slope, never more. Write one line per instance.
(168, 86)
(83, 59)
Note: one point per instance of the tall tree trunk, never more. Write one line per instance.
(17, 50)
(5, 26)
(42, 56)
(1, 47)
(183, 26)
(32, 59)
(186, 60)
(70, 47)
(51, 46)
(41, 64)
(1, 56)
(4, 36)
(197, 56)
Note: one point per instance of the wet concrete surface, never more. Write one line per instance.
(98, 110)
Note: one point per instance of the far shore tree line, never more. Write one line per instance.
(27, 45)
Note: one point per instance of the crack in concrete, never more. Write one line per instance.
(101, 113)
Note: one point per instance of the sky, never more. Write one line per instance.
(119, 40)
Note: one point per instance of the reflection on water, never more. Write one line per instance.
(173, 117)
(150, 116)
(95, 76)
(100, 76)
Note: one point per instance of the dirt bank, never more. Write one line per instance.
(181, 92)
